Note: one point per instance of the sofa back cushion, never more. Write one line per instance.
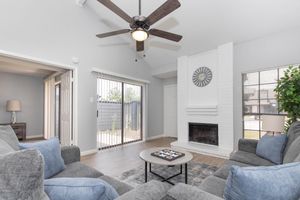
(267, 183)
(5, 147)
(21, 175)
(293, 133)
(79, 188)
(292, 152)
(8, 135)
(51, 152)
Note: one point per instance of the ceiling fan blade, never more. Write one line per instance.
(110, 5)
(165, 35)
(103, 35)
(165, 9)
(140, 46)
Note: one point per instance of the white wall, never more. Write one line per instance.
(263, 53)
(30, 91)
(170, 110)
(211, 104)
(46, 35)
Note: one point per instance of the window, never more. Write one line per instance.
(259, 99)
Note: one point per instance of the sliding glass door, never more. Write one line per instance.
(119, 113)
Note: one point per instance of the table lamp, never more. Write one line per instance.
(13, 106)
(273, 123)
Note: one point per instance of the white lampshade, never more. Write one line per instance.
(13, 106)
(274, 123)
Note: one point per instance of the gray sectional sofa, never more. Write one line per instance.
(212, 187)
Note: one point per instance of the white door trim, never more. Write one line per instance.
(54, 65)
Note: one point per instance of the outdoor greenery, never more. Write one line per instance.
(116, 96)
(288, 94)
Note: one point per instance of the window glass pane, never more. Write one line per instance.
(251, 106)
(267, 91)
(251, 122)
(281, 71)
(269, 76)
(268, 106)
(250, 92)
(254, 135)
(250, 78)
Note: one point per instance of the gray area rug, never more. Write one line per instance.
(196, 173)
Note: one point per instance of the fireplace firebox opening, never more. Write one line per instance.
(204, 133)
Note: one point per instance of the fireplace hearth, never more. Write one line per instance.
(204, 133)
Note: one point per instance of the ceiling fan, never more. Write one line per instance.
(140, 25)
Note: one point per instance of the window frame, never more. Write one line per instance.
(259, 114)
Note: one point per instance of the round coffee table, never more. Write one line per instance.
(148, 158)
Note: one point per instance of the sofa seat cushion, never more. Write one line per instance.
(187, 192)
(213, 185)
(78, 170)
(223, 172)
(79, 188)
(264, 183)
(119, 186)
(8, 135)
(153, 190)
(250, 158)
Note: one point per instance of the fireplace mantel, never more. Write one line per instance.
(202, 110)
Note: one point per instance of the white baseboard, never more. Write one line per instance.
(34, 136)
(88, 152)
(155, 137)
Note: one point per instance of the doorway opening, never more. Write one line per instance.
(119, 113)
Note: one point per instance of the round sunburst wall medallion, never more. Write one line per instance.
(202, 76)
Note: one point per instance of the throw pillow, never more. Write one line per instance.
(22, 175)
(5, 147)
(8, 135)
(79, 189)
(50, 150)
(272, 147)
(267, 183)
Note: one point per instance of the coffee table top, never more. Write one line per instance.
(146, 156)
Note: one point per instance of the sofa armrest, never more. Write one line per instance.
(187, 192)
(22, 175)
(70, 154)
(247, 145)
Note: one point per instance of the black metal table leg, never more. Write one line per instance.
(146, 171)
(186, 173)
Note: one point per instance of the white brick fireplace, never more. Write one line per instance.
(212, 104)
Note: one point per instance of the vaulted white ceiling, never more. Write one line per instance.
(204, 24)
(65, 28)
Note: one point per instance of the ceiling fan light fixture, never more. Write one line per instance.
(139, 34)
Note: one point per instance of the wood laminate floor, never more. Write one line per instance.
(117, 160)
